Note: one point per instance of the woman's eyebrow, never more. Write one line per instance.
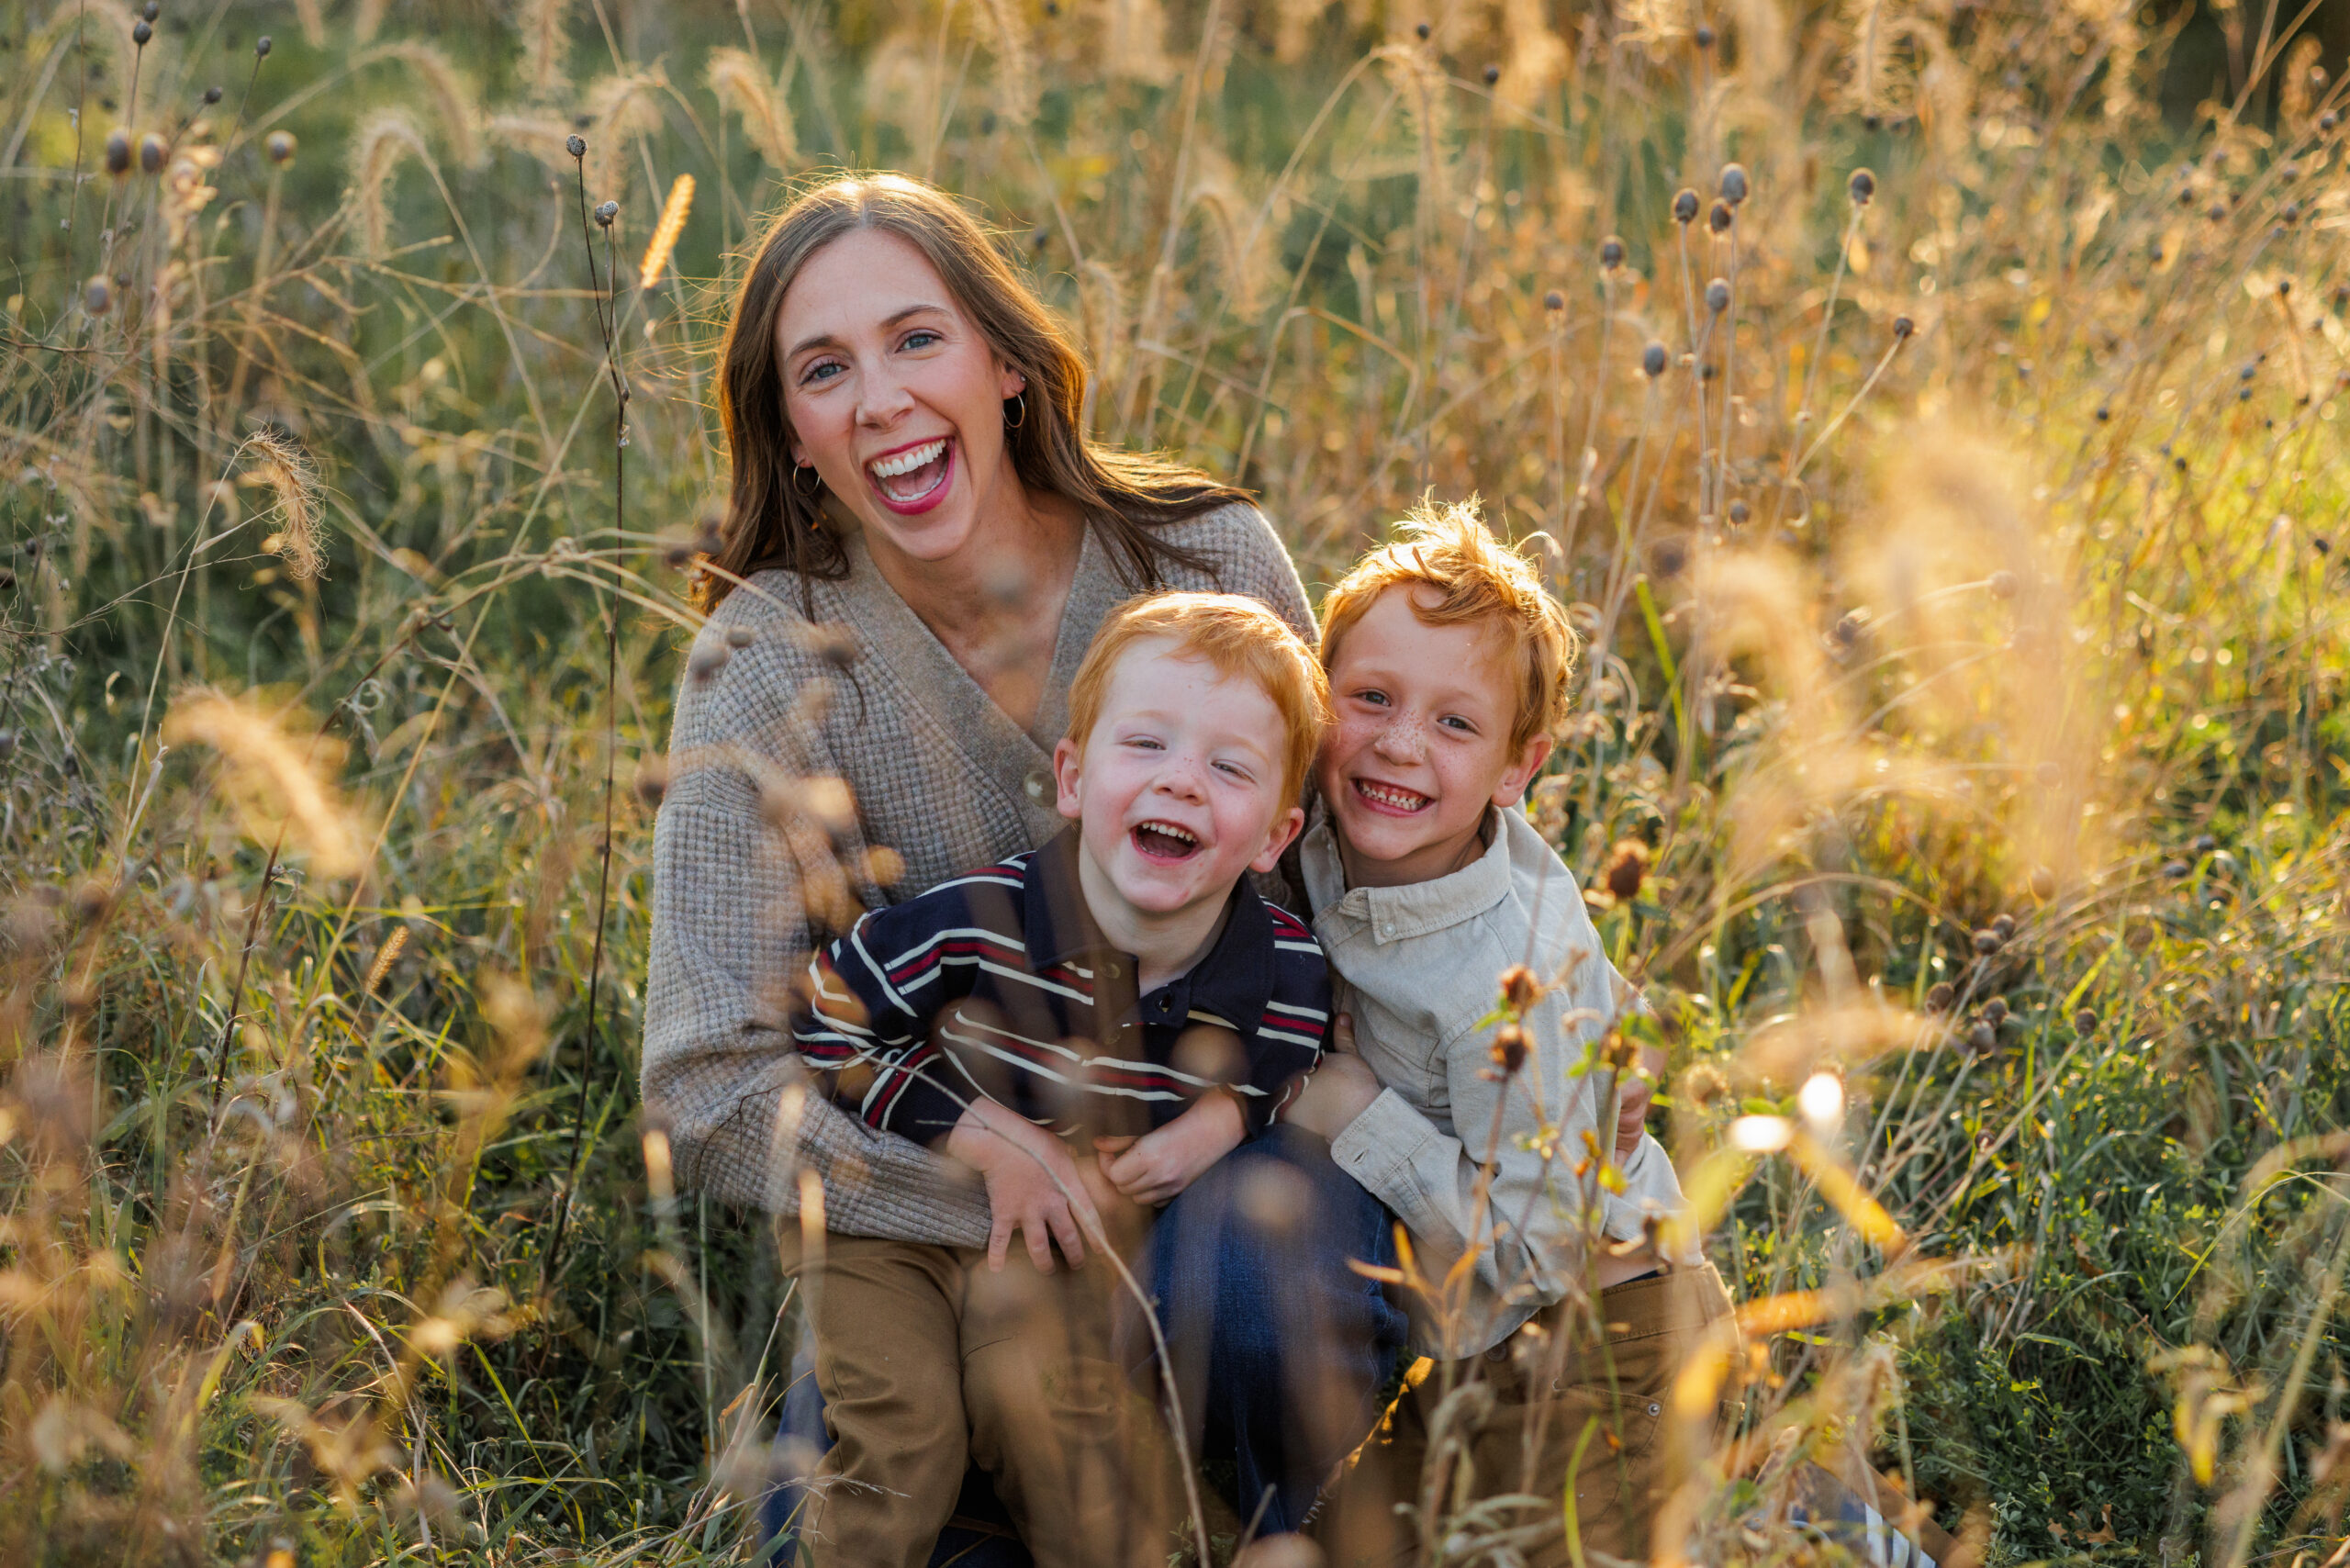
(826, 340)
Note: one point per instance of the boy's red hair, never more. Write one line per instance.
(1238, 636)
(1475, 577)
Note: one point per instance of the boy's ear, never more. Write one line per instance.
(1511, 787)
(1066, 775)
(1285, 827)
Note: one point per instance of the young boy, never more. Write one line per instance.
(1448, 667)
(1089, 1026)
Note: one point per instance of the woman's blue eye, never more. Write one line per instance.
(922, 339)
(820, 370)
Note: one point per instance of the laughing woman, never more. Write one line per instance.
(919, 546)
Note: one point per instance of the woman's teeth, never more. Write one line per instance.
(1389, 795)
(911, 473)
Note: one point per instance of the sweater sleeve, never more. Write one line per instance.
(739, 857)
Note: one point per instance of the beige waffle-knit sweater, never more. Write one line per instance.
(747, 850)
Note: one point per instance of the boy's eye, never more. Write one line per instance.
(1456, 722)
(1376, 698)
(1234, 770)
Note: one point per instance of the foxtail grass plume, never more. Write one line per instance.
(1005, 30)
(546, 41)
(628, 104)
(385, 138)
(271, 777)
(455, 106)
(665, 233)
(742, 84)
(278, 462)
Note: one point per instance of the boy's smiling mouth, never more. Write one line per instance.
(1392, 798)
(1164, 841)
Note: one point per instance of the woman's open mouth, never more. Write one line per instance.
(913, 478)
(1165, 841)
(1391, 800)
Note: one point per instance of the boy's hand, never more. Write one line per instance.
(1342, 1087)
(1155, 1167)
(1019, 1161)
(1633, 1097)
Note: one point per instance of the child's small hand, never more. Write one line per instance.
(1021, 1163)
(1633, 1097)
(1157, 1165)
(1342, 1087)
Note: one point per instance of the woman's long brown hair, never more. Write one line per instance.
(1125, 498)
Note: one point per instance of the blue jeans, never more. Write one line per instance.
(1280, 1350)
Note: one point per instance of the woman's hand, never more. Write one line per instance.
(1342, 1087)
(1020, 1162)
(1155, 1167)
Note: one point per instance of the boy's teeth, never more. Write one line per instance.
(906, 462)
(1173, 832)
(1402, 799)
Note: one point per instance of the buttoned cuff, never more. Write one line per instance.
(1379, 1148)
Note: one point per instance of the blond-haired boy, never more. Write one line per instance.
(1448, 665)
(1089, 1026)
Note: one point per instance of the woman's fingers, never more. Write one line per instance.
(1000, 1241)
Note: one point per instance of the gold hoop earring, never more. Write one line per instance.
(1020, 400)
(809, 469)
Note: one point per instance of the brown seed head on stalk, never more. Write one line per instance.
(1520, 990)
(280, 147)
(1508, 1050)
(117, 151)
(1628, 869)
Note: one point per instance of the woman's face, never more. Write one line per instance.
(895, 397)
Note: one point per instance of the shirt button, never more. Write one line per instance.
(1656, 1409)
(1040, 784)
(1110, 971)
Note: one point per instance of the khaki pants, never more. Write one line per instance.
(1532, 1416)
(929, 1362)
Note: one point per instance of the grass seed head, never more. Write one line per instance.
(740, 83)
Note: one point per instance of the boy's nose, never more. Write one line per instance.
(1400, 740)
(1180, 775)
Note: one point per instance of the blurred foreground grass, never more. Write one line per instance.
(1964, 721)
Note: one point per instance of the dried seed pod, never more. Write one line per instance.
(1739, 511)
(280, 147)
(1938, 997)
(2005, 924)
(1628, 869)
(261, 47)
(1986, 942)
(1862, 186)
(2043, 883)
(1995, 1012)
(2003, 583)
(576, 144)
(117, 151)
(1508, 1050)
(1493, 74)
(1902, 328)
(2085, 1021)
(211, 95)
(1982, 1039)
(1717, 295)
(2175, 869)
(2205, 844)
(1734, 188)
(1554, 300)
(153, 150)
(1684, 206)
(97, 298)
(1652, 361)
(150, 10)
(1703, 36)
(1423, 31)
(1720, 217)
(142, 32)
(1520, 990)
(605, 212)
(1611, 252)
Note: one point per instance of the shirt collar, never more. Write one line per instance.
(1414, 908)
(1233, 981)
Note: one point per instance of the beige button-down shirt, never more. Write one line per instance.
(1422, 967)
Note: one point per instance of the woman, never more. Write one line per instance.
(919, 546)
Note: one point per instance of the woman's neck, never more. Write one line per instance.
(996, 604)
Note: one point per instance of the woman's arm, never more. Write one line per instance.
(737, 857)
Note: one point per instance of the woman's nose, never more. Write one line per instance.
(882, 399)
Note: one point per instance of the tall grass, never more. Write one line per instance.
(1959, 549)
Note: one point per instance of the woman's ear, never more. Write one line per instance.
(1012, 382)
(1511, 787)
(1067, 778)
